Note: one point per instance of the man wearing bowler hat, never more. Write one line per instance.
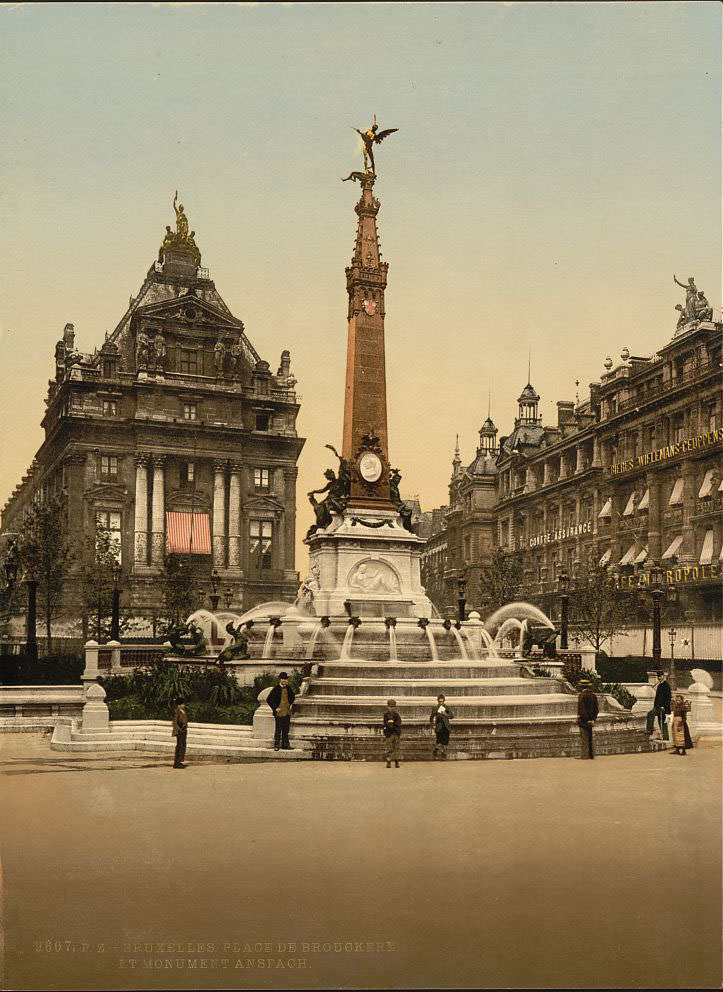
(281, 699)
(587, 711)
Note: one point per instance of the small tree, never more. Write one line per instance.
(45, 552)
(597, 607)
(178, 597)
(500, 580)
(101, 556)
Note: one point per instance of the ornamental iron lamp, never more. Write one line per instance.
(461, 599)
(215, 579)
(115, 605)
(31, 635)
(656, 591)
(563, 582)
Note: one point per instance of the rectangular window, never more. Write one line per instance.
(260, 542)
(109, 466)
(110, 408)
(712, 419)
(262, 421)
(261, 478)
(188, 362)
(190, 411)
(77, 400)
(188, 475)
(109, 521)
(109, 367)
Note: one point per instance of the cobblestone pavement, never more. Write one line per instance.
(120, 872)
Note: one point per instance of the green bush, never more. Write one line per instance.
(617, 691)
(59, 669)
(129, 708)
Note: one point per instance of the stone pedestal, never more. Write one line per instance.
(264, 725)
(370, 562)
(95, 711)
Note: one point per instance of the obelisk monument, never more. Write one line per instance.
(363, 557)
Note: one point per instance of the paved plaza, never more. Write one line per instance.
(123, 873)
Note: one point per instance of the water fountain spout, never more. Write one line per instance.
(325, 622)
(353, 623)
(422, 622)
(390, 622)
(447, 624)
(391, 625)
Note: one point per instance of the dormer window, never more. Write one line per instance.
(110, 408)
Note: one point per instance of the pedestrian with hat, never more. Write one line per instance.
(392, 730)
(281, 699)
(661, 706)
(180, 732)
(587, 712)
(439, 718)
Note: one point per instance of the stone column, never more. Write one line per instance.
(290, 475)
(219, 514)
(596, 460)
(563, 466)
(158, 510)
(654, 537)
(687, 548)
(530, 484)
(546, 473)
(234, 517)
(595, 509)
(579, 458)
(141, 511)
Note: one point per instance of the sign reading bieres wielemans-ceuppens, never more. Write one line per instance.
(669, 451)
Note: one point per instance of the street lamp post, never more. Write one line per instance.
(115, 608)
(215, 579)
(671, 676)
(656, 591)
(31, 636)
(564, 584)
(462, 599)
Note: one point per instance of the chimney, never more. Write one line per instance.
(565, 413)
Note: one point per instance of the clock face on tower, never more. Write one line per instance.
(370, 467)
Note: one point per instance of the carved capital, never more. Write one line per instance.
(219, 467)
(159, 461)
(236, 468)
(142, 461)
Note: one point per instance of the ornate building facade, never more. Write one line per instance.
(177, 437)
(630, 476)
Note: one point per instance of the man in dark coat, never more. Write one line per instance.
(587, 711)
(281, 699)
(661, 706)
(180, 732)
(439, 718)
(392, 730)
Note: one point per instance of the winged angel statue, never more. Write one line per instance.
(372, 136)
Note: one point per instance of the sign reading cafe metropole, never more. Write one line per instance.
(669, 451)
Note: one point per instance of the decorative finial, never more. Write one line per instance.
(625, 354)
(577, 391)
(608, 363)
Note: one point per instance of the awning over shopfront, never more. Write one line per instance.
(706, 553)
(676, 497)
(673, 547)
(706, 485)
(607, 510)
(188, 533)
(644, 503)
(606, 557)
(628, 556)
(641, 557)
(630, 505)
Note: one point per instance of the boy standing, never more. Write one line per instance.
(180, 732)
(439, 718)
(392, 730)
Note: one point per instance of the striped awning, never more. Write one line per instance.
(673, 547)
(188, 533)
(606, 557)
(644, 503)
(628, 556)
(607, 510)
(706, 553)
(630, 505)
(676, 497)
(706, 485)
(641, 557)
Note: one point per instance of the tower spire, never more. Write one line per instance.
(365, 403)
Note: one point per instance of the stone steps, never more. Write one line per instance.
(481, 707)
(428, 670)
(402, 689)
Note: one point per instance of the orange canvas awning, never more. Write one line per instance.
(188, 533)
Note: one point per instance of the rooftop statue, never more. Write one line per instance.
(372, 136)
(181, 220)
(691, 296)
(180, 238)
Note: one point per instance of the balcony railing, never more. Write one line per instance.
(691, 375)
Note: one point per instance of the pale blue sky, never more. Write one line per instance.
(555, 164)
